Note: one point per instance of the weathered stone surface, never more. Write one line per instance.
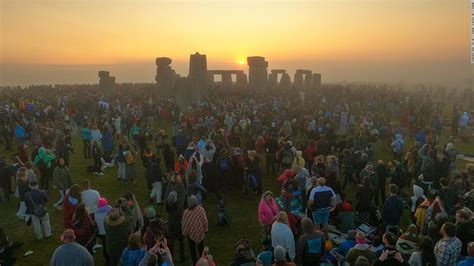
(165, 77)
(163, 61)
(104, 74)
(241, 80)
(273, 81)
(258, 73)
(278, 71)
(106, 84)
(198, 76)
(317, 80)
(308, 82)
(285, 82)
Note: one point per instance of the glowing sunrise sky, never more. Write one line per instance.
(326, 36)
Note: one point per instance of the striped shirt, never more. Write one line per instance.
(194, 224)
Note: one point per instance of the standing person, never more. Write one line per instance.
(134, 252)
(398, 147)
(360, 249)
(70, 253)
(129, 164)
(108, 144)
(168, 158)
(71, 200)
(97, 155)
(465, 225)
(36, 207)
(5, 180)
(194, 226)
(117, 230)
(392, 210)
(154, 178)
(281, 235)
(448, 248)
(425, 256)
(254, 170)
(84, 228)
(86, 141)
(135, 211)
(44, 162)
(101, 213)
(469, 260)
(390, 255)
(267, 209)
(322, 200)
(23, 188)
(62, 180)
(90, 197)
(120, 160)
(310, 245)
(382, 174)
(174, 208)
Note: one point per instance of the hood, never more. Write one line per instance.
(418, 191)
(42, 151)
(465, 114)
(399, 137)
(279, 227)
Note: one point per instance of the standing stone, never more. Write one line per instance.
(226, 81)
(273, 81)
(106, 84)
(257, 73)
(298, 82)
(165, 77)
(198, 76)
(308, 81)
(285, 82)
(182, 91)
(241, 81)
(317, 81)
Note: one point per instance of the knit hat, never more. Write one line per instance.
(346, 207)
(265, 257)
(411, 234)
(360, 238)
(102, 202)
(172, 197)
(150, 213)
(68, 236)
(279, 253)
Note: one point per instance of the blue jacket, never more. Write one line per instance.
(86, 133)
(469, 261)
(20, 131)
(132, 257)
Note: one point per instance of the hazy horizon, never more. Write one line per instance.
(54, 42)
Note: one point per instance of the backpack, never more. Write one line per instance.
(224, 164)
(223, 218)
(129, 158)
(287, 156)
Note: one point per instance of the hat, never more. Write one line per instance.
(150, 212)
(102, 202)
(360, 238)
(411, 234)
(279, 253)
(68, 236)
(265, 257)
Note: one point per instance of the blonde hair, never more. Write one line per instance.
(282, 218)
(21, 174)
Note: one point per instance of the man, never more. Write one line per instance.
(392, 210)
(44, 161)
(90, 197)
(310, 245)
(465, 228)
(390, 255)
(86, 140)
(35, 201)
(448, 248)
(321, 202)
(71, 253)
(5, 180)
(469, 261)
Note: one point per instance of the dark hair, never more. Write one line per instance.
(393, 188)
(80, 213)
(391, 238)
(428, 257)
(450, 229)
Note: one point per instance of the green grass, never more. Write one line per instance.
(242, 208)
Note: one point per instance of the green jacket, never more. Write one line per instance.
(62, 178)
(117, 233)
(44, 155)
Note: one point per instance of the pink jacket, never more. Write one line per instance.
(266, 211)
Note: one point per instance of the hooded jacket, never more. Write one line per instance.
(117, 232)
(266, 211)
(45, 156)
(62, 178)
(282, 236)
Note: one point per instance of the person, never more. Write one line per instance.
(134, 253)
(44, 162)
(23, 188)
(154, 178)
(279, 255)
(158, 255)
(267, 209)
(135, 211)
(71, 253)
(425, 256)
(469, 260)
(254, 170)
(310, 246)
(84, 227)
(86, 141)
(282, 236)
(322, 200)
(392, 209)
(265, 258)
(408, 241)
(97, 155)
(100, 214)
(346, 217)
(117, 229)
(448, 248)
(390, 255)
(174, 208)
(90, 197)
(465, 225)
(71, 200)
(62, 180)
(360, 249)
(36, 201)
(7, 249)
(398, 147)
(194, 227)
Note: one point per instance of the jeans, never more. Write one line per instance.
(21, 211)
(121, 171)
(156, 192)
(37, 222)
(104, 248)
(62, 193)
(321, 217)
(86, 148)
(192, 249)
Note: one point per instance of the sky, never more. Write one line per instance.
(68, 41)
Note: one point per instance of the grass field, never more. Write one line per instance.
(242, 208)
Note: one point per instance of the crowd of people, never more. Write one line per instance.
(333, 154)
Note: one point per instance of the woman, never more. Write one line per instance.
(255, 171)
(282, 236)
(23, 188)
(194, 226)
(267, 209)
(158, 255)
(137, 215)
(408, 242)
(70, 203)
(175, 196)
(194, 187)
(117, 230)
(134, 253)
(426, 256)
(102, 211)
(364, 197)
(62, 180)
(84, 228)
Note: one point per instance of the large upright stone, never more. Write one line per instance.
(257, 73)
(273, 81)
(182, 91)
(198, 76)
(317, 81)
(106, 84)
(285, 82)
(165, 77)
(241, 81)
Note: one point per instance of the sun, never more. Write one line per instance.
(241, 62)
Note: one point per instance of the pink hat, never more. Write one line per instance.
(102, 202)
